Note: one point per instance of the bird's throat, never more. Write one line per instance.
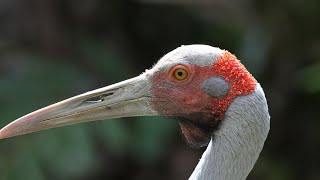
(197, 130)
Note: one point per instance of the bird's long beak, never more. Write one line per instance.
(124, 99)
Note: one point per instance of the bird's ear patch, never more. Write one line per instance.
(216, 87)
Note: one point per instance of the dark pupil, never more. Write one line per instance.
(180, 73)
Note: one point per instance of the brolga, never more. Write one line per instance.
(217, 102)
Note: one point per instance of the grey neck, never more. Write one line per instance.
(235, 147)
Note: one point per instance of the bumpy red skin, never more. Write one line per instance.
(187, 100)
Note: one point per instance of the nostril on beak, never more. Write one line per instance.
(105, 96)
(94, 99)
(100, 98)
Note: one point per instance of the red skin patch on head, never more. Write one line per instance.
(241, 81)
(187, 99)
(174, 98)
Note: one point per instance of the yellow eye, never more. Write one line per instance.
(180, 74)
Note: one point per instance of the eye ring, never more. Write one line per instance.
(179, 73)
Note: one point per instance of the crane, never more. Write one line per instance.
(217, 102)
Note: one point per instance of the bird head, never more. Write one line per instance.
(195, 83)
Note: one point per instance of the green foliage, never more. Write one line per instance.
(152, 136)
(309, 78)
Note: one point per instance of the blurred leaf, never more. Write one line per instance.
(270, 169)
(152, 135)
(309, 78)
(115, 134)
(26, 167)
(69, 150)
(105, 60)
(254, 49)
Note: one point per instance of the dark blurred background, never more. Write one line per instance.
(54, 49)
